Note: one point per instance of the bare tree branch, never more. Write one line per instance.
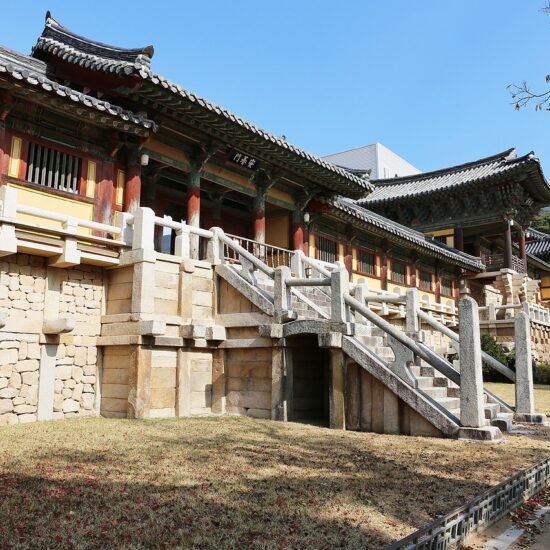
(522, 94)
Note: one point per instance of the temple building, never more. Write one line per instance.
(161, 256)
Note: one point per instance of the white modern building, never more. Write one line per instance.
(381, 161)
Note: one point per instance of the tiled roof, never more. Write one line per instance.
(540, 245)
(63, 43)
(34, 72)
(395, 231)
(58, 41)
(440, 182)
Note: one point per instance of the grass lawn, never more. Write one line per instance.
(234, 483)
(507, 392)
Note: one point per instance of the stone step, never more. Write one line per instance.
(449, 402)
(371, 341)
(422, 371)
(453, 392)
(425, 382)
(491, 410)
(436, 393)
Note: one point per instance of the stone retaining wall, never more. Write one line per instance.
(30, 293)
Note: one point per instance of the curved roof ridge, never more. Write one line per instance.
(54, 29)
(508, 155)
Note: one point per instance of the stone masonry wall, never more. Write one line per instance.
(24, 284)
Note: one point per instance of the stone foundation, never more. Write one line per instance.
(32, 293)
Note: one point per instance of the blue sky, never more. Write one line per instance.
(425, 77)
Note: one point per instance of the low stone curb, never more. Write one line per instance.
(480, 513)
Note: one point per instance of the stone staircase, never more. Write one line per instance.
(436, 398)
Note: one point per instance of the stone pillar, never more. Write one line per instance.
(472, 413)
(132, 188)
(507, 244)
(522, 250)
(139, 383)
(218, 381)
(412, 322)
(288, 384)
(472, 405)
(339, 285)
(353, 396)
(278, 408)
(459, 239)
(194, 205)
(525, 399)
(336, 389)
(282, 298)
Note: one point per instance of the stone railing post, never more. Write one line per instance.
(472, 405)
(8, 210)
(361, 292)
(339, 285)
(214, 248)
(124, 220)
(282, 298)
(297, 264)
(144, 229)
(182, 244)
(412, 323)
(525, 399)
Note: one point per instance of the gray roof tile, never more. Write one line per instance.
(460, 176)
(35, 73)
(395, 230)
(61, 42)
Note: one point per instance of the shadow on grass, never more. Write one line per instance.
(183, 485)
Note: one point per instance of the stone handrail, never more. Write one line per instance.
(68, 252)
(444, 367)
(489, 359)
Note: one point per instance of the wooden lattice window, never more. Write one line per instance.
(425, 279)
(327, 250)
(366, 262)
(446, 286)
(398, 272)
(52, 168)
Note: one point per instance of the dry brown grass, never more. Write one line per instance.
(234, 483)
(507, 392)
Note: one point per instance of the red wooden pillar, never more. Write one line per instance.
(437, 289)
(103, 211)
(412, 278)
(348, 258)
(508, 244)
(522, 249)
(297, 230)
(459, 239)
(194, 206)
(384, 268)
(258, 217)
(132, 188)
